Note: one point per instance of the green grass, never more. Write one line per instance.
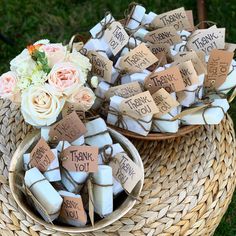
(27, 21)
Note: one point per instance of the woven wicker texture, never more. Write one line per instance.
(189, 183)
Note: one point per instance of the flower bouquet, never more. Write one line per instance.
(43, 78)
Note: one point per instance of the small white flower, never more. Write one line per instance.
(23, 83)
(94, 81)
(38, 77)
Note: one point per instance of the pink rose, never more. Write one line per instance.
(82, 98)
(65, 77)
(54, 52)
(7, 84)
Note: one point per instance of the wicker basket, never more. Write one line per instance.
(16, 166)
(189, 183)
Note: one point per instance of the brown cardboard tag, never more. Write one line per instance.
(189, 111)
(189, 14)
(138, 59)
(116, 37)
(218, 68)
(101, 66)
(167, 35)
(230, 47)
(197, 63)
(125, 171)
(73, 209)
(68, 108)
(169, 79)
(68, 129)
(188, 73)
(176, 18)
(80, 159)
(164, 101)
(124, 90)
(41, 156)
(207, 40)
(91, 201)
(139, 105)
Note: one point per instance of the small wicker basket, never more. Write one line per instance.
(16, 167)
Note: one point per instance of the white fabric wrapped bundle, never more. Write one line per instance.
(41, 189)
(70, 221)
(164, 124)
(97, 134)
(133, 42)
(141, 33)
(148, 18)
(139, 76)
(116, 148)
(103, 190)
(96, 32)
(193, 93)
(52, 173)
(62, 145)
(136, 17)
(45, 133)
(78, 142)
(72, 180)
(212, 115)
(141, 126)
(94, 45)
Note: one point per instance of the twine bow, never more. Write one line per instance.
(105, 24)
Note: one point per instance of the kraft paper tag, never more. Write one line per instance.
(176, 18)
(68, 129)
(69, 108)
(116, 37)
(167, 35)
(41, 156)
(91, 201)
(101, 66)
(197, 63)
(125, 171)
(80, 158)
(189, 111)
(124, 90)
(218, 68)
(230, 47)
(138, 59)
(139, 105)
(164, 101)
(189, 14)
(208, 40)
(169, 79)
(188, 73)
(73, 209)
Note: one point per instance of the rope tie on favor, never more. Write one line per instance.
(105, 25)
(121, 122)
(206, 108)
(107, 157)
(122, 73)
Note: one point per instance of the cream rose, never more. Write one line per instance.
(55, 52)
(65, 77)
(80, 61)
(82, 98)
(8, 84)
(40, 106)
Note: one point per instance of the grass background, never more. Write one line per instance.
(27, 21)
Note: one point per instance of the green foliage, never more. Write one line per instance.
(41, 60)
(26, 21)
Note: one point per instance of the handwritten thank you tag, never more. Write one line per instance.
(125, 171)
(218, 67)
(73, 209)
(164, 101)
(139, 105)
(80, 158)
(138, 59)
(169, 79)
(41, 156)
(101, 66)
(116, 37)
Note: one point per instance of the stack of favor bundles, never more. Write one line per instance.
(157, 72)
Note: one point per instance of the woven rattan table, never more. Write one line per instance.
(189, 183)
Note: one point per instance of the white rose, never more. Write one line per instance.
(82, 98)
(80, 61)
(23, 65)
(40, 106)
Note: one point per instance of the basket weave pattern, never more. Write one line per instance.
(189, 183)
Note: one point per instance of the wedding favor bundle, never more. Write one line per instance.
(76, 170)
(157, 72)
